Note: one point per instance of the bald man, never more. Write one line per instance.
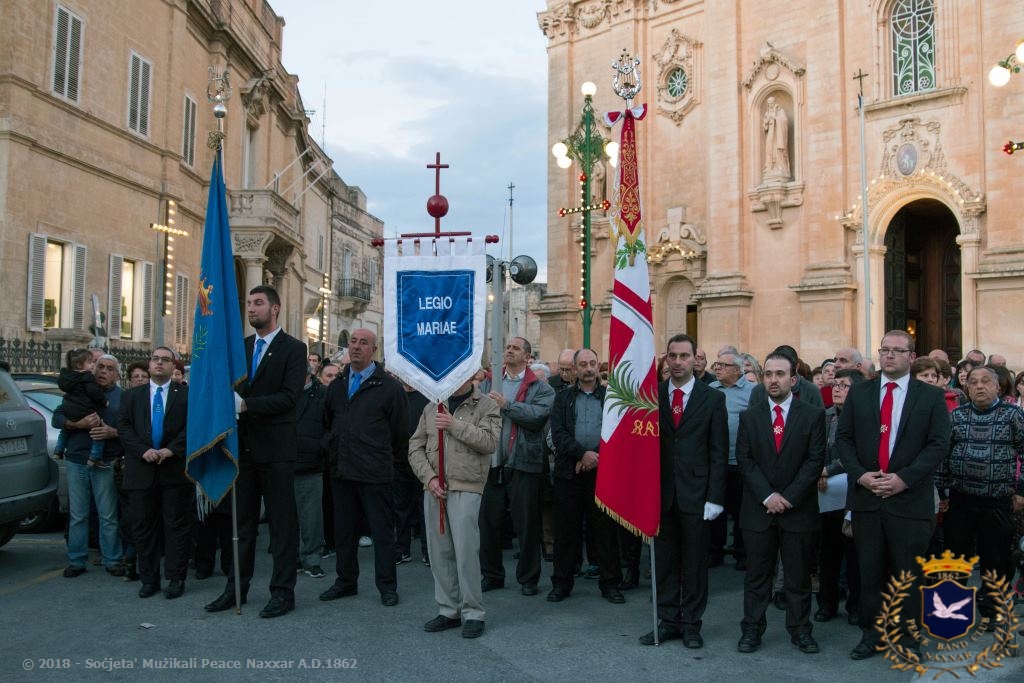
(566, 372)
(366, 413)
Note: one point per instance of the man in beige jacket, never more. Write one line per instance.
(471, 422)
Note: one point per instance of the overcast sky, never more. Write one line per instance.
(407, 78)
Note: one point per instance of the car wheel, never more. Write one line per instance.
(7, 532)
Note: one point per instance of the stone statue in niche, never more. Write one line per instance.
(599, 182)
(775, 124)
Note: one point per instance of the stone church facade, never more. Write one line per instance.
(750, 171)
(104, 117)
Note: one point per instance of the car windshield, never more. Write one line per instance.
(47, 398)
(10, 397)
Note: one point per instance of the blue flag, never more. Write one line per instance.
(218, 355)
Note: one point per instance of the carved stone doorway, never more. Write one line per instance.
(922, 276)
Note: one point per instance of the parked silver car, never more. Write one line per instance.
(44, 396)
(28, 475)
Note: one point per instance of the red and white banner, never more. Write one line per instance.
(628, 478)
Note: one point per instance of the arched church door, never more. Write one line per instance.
(922, 276)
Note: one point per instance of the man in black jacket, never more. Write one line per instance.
(266, 461)
(576, 432)
(366, 413)
(310, 457)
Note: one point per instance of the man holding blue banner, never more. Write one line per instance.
(267, 444)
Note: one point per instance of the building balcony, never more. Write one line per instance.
(352, 295)
(257, 210)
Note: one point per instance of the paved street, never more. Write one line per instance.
(96, 620)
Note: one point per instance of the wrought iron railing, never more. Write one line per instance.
(353, 289)
(31, 355)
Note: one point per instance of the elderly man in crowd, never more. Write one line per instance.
(88, 485)
(471, 424)
(979, 479)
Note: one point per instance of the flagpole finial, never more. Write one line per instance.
(626, 81)
(218, 91)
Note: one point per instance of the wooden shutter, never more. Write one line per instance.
(67, 54)
(181, 310)
(188, 132)
(144, 99)
(114, 297)
(36, 281)
(78, 288)
(138, 94)
(147, 301)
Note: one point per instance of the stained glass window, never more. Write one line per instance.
(677, 83)
(913, 46)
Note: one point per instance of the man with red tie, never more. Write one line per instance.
(694, 431)
(892, 436)
(780, 450)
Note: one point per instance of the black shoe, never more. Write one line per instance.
(148, 590)
(426, 560)
(825, 614)
(750, 640)
(441, 623)
(716, 561)
(491, 585)
(130, 573)
(337, 591)
(805, 642)
(665, 634)
(277, 607)
(592, 572)
(174, 589)
(473, 628)
(402, 558)
(203, 574)
(613, 596)
(315, 571)
(780, 600)
(863, 650)
(225, 601)
(389, 599)
(73, 571)
(557, 595)
(116, 570)
(529, 589)
(741, 565)
(692, 638)
(853, 618)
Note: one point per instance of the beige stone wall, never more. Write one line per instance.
(73, 170)
(781, 262)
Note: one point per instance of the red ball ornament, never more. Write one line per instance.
(437, 206)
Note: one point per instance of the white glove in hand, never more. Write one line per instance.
(238, 405)
(711, 511)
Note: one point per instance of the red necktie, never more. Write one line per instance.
(778, 428)
(677, 407)
(886, 428)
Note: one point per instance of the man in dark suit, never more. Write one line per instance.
(267, 441)
(694, 429)
(151, 425)
(780, 449)
(892, 436)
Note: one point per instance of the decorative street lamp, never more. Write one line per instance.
(1003, 70)
(1000, 75)
(586, 146)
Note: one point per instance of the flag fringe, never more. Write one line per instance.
(195, 454)
(624, 523)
